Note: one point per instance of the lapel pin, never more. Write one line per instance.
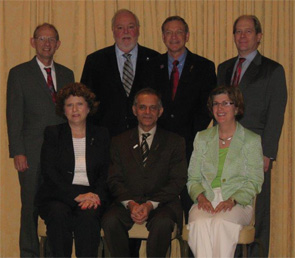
(135, 146)
(147, 59)
(191, 68)
(161, 66)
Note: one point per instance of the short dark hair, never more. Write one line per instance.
(175, 18)
(45, 24)
(234, 94)
(257, 24)
(124, 11)
(148, 91)
(75, 89)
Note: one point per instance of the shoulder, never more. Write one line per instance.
(147, 51)
(227, 62)
(200, 59)
(267, 62)
(22, 67)
(101, 53)
(63, 68)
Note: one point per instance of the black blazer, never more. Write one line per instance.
(58, 164)
(188, 113)
(265, 95)
(101, 74)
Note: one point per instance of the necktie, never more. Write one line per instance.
(238, 71)
(174, 78)
(127, 74)
(50, 84)
(144, 147)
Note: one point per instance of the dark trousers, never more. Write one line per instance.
(63, 222)
(262, 217)
(117, 222)
(28, 238)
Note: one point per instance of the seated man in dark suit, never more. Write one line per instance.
(116, 73)
(147, 173)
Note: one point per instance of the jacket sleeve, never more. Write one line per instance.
(15, 114)
(254, 175)
(194, 184)
(60, 190)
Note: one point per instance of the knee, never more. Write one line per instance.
(162, 223)
(110, 221)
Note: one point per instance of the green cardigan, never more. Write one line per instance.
(242, 175)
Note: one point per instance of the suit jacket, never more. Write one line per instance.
(58, 164)
(102, 75)
(265, 95)
(242, 174)
(161, 180)
(188, 113)
(30, 108)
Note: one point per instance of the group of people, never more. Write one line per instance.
(84, 165)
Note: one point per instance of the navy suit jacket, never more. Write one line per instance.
(101, 74)
(263, 86)
(187, 114)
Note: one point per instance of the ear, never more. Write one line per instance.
(160, 111)
(33, 43)
(134, 110)
(259, 37)
(57, 44)
(187, 37)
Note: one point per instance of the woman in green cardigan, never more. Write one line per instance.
(225, 174)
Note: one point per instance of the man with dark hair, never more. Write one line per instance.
(31, 93)
(148, 170)
(117, 72)
(184, 80)
(263, 84)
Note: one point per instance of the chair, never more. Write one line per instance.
(42, 235)
(141, 232)
(246, 237)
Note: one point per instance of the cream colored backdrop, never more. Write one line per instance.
(85, 26)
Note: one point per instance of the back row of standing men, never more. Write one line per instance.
(117, 72)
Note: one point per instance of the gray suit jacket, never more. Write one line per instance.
(265, 95)
(30, 108)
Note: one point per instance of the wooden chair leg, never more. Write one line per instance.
(245, 251)
(42, 246)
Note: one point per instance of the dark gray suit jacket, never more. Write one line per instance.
(265, 95)
(161, 180)
(30, 108)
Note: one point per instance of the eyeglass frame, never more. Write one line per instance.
(225, 103)
(44, 39)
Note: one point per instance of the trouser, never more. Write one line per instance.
(63, 222)
(28, 238)
(117, 222)
(216, 235)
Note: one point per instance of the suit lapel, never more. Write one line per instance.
(67, 140)
(37, 73)
(135, 147)
(154, 150)
(251, 72)
(229, 71)
(212, 144)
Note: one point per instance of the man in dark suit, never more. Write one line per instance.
(31, 92)
(263, 84)
(148, 170)
(184, 97)
(116, 73)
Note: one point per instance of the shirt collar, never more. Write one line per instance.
(180, 59)
(251, 56)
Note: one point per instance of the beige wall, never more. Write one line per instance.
(84, 26)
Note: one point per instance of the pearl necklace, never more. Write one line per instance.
(223, 140)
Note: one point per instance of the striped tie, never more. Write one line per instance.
(50, 84)
(127, 74)
(144, 147)
(237, 75)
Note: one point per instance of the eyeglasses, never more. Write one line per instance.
(223, 104)
(43, 39)
(169, 33)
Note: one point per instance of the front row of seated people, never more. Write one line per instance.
(146, 174)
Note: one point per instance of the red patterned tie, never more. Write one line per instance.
(238, 71)
(174, 78)
(50, 84)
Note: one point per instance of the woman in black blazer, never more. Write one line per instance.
(74, 164)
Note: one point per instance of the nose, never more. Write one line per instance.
(147, 111)
(75, 108)
(126, 30)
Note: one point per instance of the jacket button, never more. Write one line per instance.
(172, 116)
